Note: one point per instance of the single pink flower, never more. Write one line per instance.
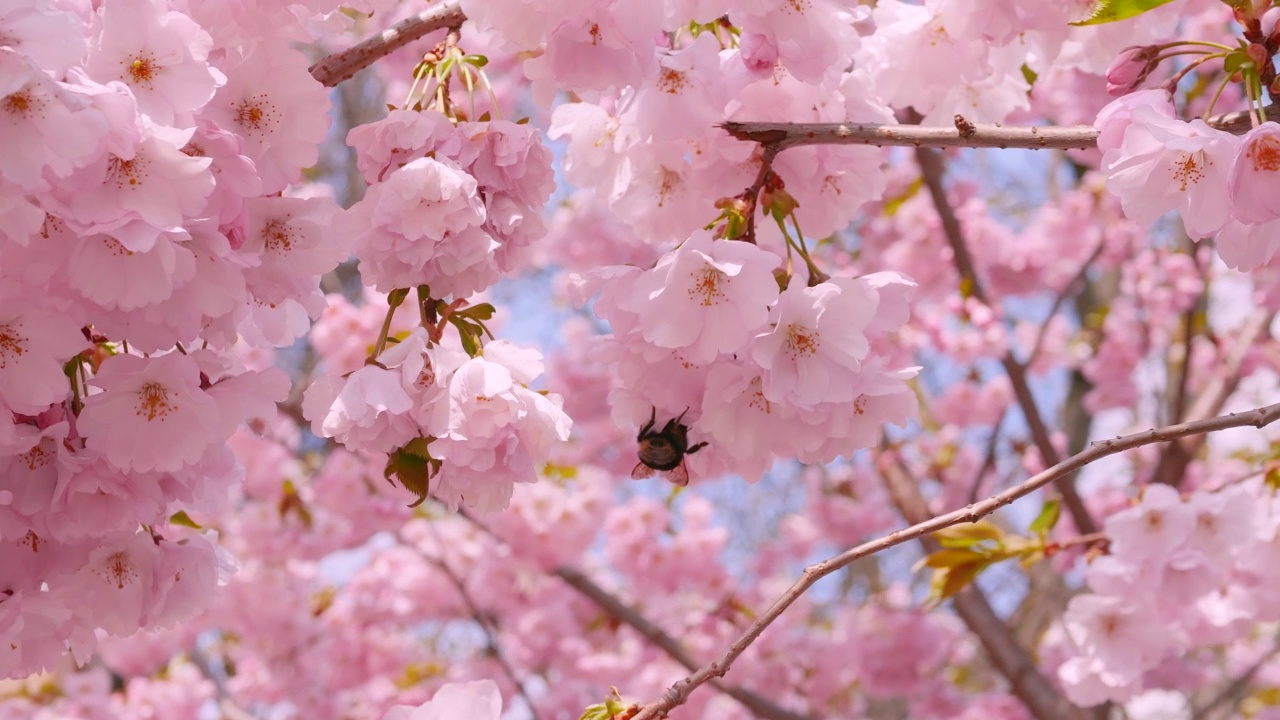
(705, 298)
(1255, 176)
(815, 349)
(33, 347)
(151, 414)
(160, 54)
(43, 126)
(276, 107)
(1165, 164)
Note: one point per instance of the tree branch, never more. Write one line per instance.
(629, 616)
(336, 67)
(654, 634)
(931, 168)
(1235, 691)
(1173, 462)
(965, 134)
(1009, 658)
(679, 692)
(490, 632)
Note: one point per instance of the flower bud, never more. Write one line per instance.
(1130, 68)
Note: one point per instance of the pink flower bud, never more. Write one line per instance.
(1130, 68)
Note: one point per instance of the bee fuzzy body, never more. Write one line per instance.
(663, 451)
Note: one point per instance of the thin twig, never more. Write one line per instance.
(1174, 460)
(1010, 659)
(964, 134)
(1235, 691)
(931, 168)
(1066, 292)
(490, 632)
(333, 69)
(654, 634)
(752, 194)
(988, 458)
(617, 609)
(678, 693)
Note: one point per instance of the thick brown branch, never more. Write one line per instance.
(965, 134)
(1026, 682)
(679, 692)
(333, 69)
(932, 169)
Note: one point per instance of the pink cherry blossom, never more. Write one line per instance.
(33, 346)
(1254, 174)
(815, 348)
(1155, 527)
(290, 243)
(52, 37)
(1167, 164)
(422, 227)
(160, 54)
(500, 432)
(706, 298)
(276, 108)
(478, 700)
(154, 182)
(370, 408)
(152, 413)
(44, 127)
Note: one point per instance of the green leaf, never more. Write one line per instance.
(483, 311)
(1029, 75)
(969, 534)
(182, 518)
(413, 467)
(952, 557)
(946, 582)
(893, 204)
(1235, 60)
(1047, 518)
(1106, 11)
(613, 708)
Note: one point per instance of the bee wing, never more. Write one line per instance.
(679, 474)
(642, 471)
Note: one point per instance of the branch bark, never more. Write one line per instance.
(1009, 658)
(617, 609)
(678, 693)
(654, 634)
(490, 633)
(932, 169)
(965, 134)
(336, 67)
(1173, 462)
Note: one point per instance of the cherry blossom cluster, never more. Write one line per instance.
(450, 207)
(1181, 573)
(144, 235)
(1222, 186)
(758, 373)
(156, 242)
(154, 249)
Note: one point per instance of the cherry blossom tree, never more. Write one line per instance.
(783, 359)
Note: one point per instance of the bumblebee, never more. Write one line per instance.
(662, 451)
